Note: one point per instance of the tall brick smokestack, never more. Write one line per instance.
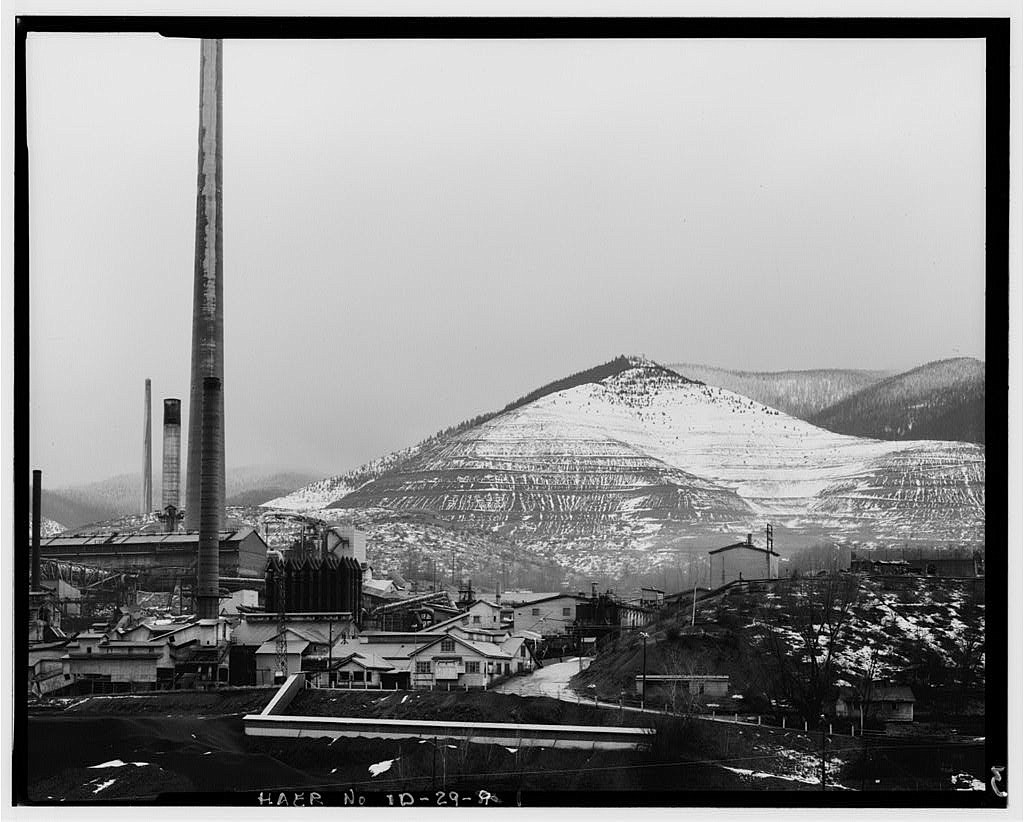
(37, 493)
(208, 292)
(171, 476)
(211, 503)
(147, 453)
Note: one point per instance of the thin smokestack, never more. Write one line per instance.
(37, 493)
(211, 503)
(208, 291)
(171, 494)
(147, 453)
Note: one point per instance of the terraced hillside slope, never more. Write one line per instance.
(623, 472)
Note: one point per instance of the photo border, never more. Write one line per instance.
(996, 33)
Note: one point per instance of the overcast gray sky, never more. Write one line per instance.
(419, 231)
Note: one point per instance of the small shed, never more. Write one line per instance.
(266, 658)
(698, 685)
(888, 703)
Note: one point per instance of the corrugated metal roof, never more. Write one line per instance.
(295, 646)
(744, 545)
(91, 540)
(365, 660)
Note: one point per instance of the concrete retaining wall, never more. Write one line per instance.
(548, 736)
(284, 696)
(274, 721)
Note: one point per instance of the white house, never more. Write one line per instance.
(523, 660)
(451, 661)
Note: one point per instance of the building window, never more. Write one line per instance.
(472, 667)
(447, 646)
(476, 620)
(535, 611)
(423, 667)
(566, 612)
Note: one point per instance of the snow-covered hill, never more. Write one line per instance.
(615, 473)
(47, 527)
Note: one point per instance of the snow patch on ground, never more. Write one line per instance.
(117, 763)
(377, 768)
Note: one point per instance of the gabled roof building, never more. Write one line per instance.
(742, 560)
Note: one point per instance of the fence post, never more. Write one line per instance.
(805, 726)
(783, 722)
(759, 719)
(852, 729)
(735, 717)
(830, 728)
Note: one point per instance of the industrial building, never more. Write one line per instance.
(546, 614)
(161, 560)
(308, 638)
(743, 560)
(312, 583)
(415, 613)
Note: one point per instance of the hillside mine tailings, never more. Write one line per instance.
(275, 722)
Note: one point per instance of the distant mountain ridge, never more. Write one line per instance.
(801, 394)
(78, 505)
(941, 400)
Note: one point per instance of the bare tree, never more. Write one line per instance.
(804, 635)
(970, 642)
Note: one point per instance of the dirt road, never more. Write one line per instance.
(551, 680)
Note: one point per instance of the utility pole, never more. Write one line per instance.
(330, 649)
(824, 742)
(643, 683)
(693, 615)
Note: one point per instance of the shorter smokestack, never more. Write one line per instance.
(211, 503)
(750, 539)
(172, 455)
(147, 453)
(37, 492)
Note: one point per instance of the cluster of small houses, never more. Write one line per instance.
(395, 639)
(431, 643)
